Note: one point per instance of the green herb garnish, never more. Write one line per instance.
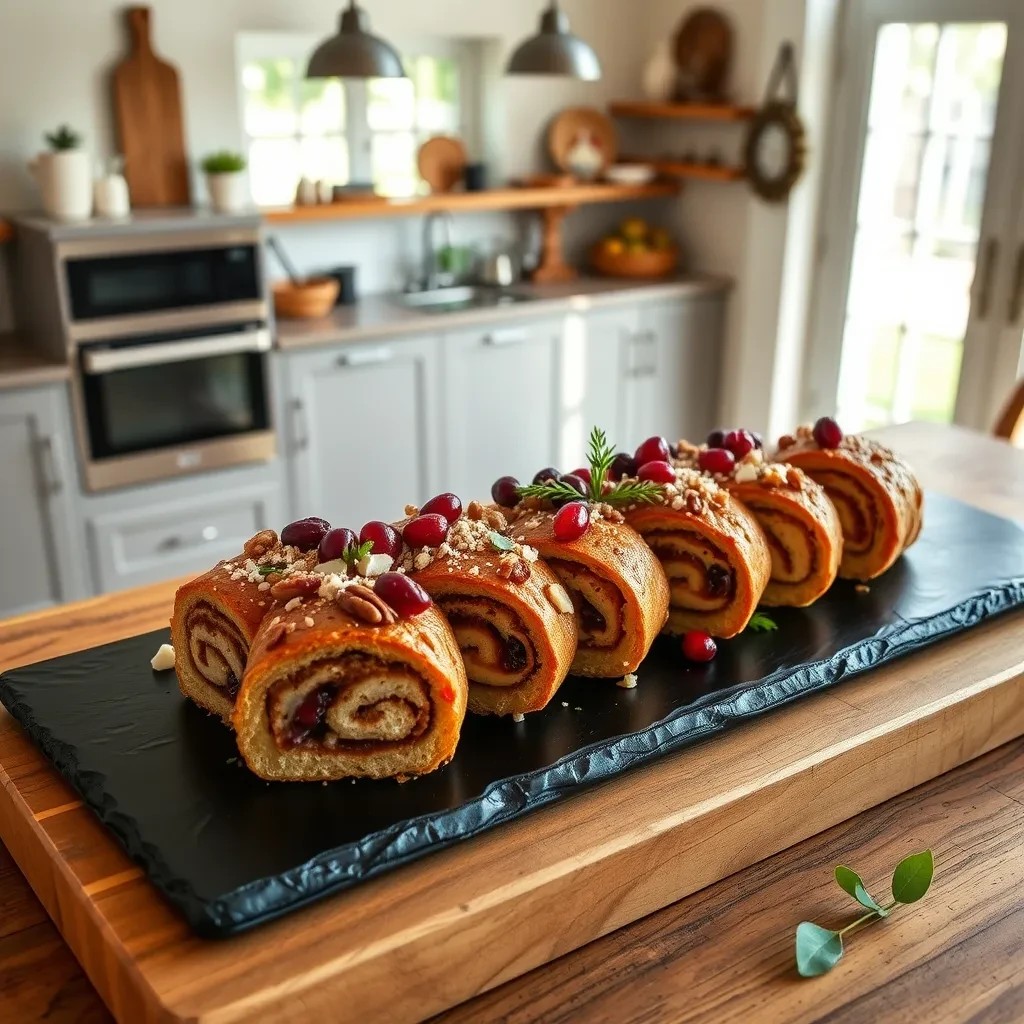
(819, 949)
(500, 542)
(269, 570)
(761, 623)
(353, 554)
(600, 456)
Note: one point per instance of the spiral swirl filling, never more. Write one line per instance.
(216, 647)
(354, 702)
(792, 547)
(598, 602)
(495, 645)
(700, 578)
(858, 513)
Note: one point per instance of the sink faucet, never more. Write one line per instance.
(433, 275)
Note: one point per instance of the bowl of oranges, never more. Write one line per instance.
(635, 250)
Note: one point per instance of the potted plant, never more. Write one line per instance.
(64, 176)
(225, 181)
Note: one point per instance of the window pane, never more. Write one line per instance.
(436, 82)
(902, 81)
(268, 87)
(952, 186)
(880, 276)
(323, 106)
(888, 188)
(967, 75)
(273, 171)
(394, 163)
(391, 104)
(325, 159)
(936, 374)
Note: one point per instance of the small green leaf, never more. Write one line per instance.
(818, 949)
(353, 554)
(851, 882)
(267, 570)
(912, 877)
(761, 623)
(500, 542)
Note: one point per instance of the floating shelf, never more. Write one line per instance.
(472, 202)
(6, 230)
(681, 169)
(682, 111)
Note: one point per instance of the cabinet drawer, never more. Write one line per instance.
(143, 546)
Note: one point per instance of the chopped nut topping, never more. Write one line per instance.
(518, 717)
(559, 598)
(260, 544)
(275, 634)
(694, 503)
(295, 586)
(412, 510)
(292, 605)
(628, 682)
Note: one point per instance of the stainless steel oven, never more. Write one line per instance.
(165, 323)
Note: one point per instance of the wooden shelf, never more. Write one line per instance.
(680, 169)
(472, 202)
(682, 111)
(6, 230)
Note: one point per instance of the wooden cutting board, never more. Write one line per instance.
(147, 104)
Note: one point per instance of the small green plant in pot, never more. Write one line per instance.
(63, 172)
(63, 139)
(225, 181)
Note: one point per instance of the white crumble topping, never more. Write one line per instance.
(308, 620)
(264, 586)
(517, 717)
(293, 604)
(529, 553)
(371, 566)
(627, 682)
(163, 660)
(565, 703)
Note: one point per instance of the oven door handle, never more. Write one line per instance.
(108, 360)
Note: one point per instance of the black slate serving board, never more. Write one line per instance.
(231, 851)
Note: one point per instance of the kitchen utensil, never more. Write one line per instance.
(441, 162)
(282, 257)
(500, 267)
(147, 105)
(582, 141)
(305, 300)
(475, 176)
(346, 278)
(703, 51)
(653, 263)
(630, 174)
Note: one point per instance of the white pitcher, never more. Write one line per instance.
(64, 179)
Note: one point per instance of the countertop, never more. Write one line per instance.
(380, 316)
(23, 367)
(723, 954)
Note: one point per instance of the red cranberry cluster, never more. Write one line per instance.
(828, 433)
(429, 527)
(726, 447)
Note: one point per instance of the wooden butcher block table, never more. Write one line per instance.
(491, 929)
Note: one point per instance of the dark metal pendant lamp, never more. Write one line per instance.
(554, 50)
(355, 52)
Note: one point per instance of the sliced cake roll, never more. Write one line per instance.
(358, 678)
(512, 618)
(800, 524)
(877, 496)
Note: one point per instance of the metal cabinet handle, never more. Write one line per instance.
(300, 433)
(647, 368)
(365, 356)
(986, 271)
(1017, 295)
(207, 535)
(49, 457)
(496, 339)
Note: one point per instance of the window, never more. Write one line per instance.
(351, 130)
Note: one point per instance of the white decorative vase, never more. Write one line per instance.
(110, 194)
(65, 183)
(660, 74)
(229, 191)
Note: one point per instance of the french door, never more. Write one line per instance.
(919, 300)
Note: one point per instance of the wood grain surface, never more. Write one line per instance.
(598, 862)
(150, 128)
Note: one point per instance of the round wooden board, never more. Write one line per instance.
(570, 124)
(703, 51)
(441, 162)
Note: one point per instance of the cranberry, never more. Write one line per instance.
(504, 492)
(716, 460)
(386, 539)
(335, 543)
(720, 581)
(425, 531)
(311, 711)
(828, 433)
(698, 646)
(544, 476)
(658, 472)
(513, 655)
(447, 505)
(622, 465)
(739, 442)
(404, 595)
(716, 439)
(577, 483)
(583, 473)
(571, 521)
(305, 534)
(654, 449)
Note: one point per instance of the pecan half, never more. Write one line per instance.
(259, 544)
(366, 606)
(295, 585)
(474, 511)
(274, 635)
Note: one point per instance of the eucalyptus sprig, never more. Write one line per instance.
(600, 456)
(819, 949)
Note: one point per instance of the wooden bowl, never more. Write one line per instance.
(653, 264)
(307, 301)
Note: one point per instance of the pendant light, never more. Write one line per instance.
(555, 51)
(355, 52)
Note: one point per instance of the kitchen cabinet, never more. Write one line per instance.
(499, 403)
(361, 425)
(40, 562)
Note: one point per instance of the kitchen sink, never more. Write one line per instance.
(449, 300)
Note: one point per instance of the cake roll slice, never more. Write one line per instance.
(358, 679)
(712, 549)
(878, 498)
(800, 523)
(617, 586)
(217, 615)
(513, 620)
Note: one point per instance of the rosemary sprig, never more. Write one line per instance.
(268, 570)
(600, 455)
(644, 492)
(552, 490)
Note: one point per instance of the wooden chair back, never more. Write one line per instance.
(1010, 424)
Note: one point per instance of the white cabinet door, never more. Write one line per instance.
(500, 387)
(40, 563)
(362, 428)
(595, 355)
